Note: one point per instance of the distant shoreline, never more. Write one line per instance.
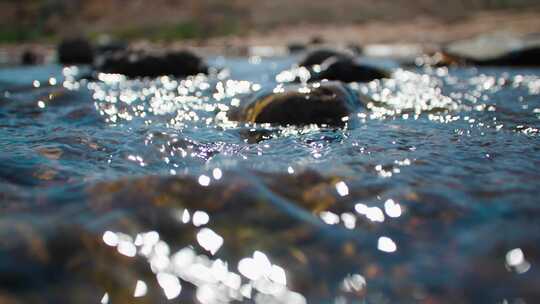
(425, 32)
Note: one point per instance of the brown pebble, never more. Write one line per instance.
(51, 153)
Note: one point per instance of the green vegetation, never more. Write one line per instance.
(186, 30)
(46, 20)
(179, 31)
(11, 35)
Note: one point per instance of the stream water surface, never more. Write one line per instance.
(142, 191)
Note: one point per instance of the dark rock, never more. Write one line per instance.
(519, 58)
(253, 136)
(29, 57)
(145, 64)
(111, 47)
(296, 47)
(340, 66)
(497, 49)
(326, 103)
(348, 70)
(75, 51)
(355, 48)
(316, 40)
(319, 56)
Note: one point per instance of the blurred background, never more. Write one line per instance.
(208, 20)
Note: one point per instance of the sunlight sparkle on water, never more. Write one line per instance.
(349, 220)
(212, 279)
(209, 240)
(200, 218)
(105, 299)
(140, 289)
(515, 259)
(386, 244)
(374, 214)
(354, 283)
(256, 267)
(185, 217)
(204, 180)
(329, 218)
(392, 209)
(217, 173)
(110, 238)
(170, 285)
(342, 189)
(127, 248)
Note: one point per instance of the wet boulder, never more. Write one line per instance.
(324, 103)
(355, 48)
(112, 46)
(518, 58)
(319, 56)
(339, 66)
(147, 64)
(29, 57)
(296, 47)
(348, 70)
(75, 51)
(493, 50)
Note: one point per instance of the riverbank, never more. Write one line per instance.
(416, 35)
(422, 30)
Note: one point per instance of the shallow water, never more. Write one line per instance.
(138, 191)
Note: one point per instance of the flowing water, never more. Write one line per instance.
(142, 191)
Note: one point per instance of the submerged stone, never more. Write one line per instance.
(146, 64)
(348, 70)
(75, 51)
(324, 103)
(253, 136)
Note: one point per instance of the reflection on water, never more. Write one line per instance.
(142, 191)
